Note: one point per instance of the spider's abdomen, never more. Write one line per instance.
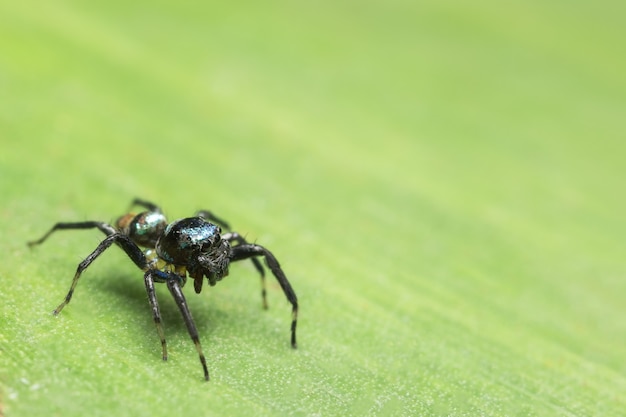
(144, 228)
(184, 239)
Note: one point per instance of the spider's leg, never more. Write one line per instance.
(207, 215)
(173, 284)
(145, 204)
(248, 250)
(105, 228)
(156, 312)
(123, 241)
(237, 238)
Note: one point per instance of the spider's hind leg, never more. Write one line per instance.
(145, 204)
(105, 228)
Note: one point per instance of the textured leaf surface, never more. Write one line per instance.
(442, 183)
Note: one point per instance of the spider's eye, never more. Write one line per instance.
(211, 243)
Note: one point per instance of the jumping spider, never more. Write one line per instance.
(168, 252)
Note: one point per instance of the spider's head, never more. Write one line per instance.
(143, 228)
(196, 244)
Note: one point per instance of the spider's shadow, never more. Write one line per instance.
(132, 293)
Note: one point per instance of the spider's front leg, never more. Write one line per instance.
(149, 279)
(174, 284)
(239, 240)
(131, 249)
(208, 215)
(245, 251)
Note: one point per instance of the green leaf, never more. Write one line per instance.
(442, 183)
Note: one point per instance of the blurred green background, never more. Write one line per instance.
(442, 182)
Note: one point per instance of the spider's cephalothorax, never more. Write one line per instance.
(196, 244)
(193, 246)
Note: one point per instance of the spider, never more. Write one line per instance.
(168, 252)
